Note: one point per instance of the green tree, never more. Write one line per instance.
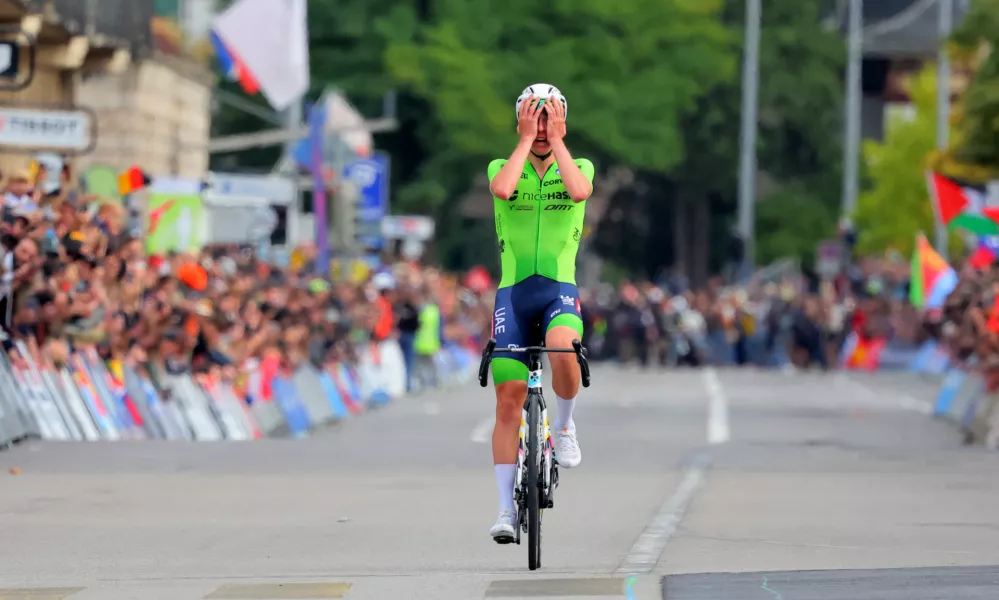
(897, 204)
(630, 69)
(801, 66)
(976, 40)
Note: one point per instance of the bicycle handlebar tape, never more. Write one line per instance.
(484, 363)
(584, 367)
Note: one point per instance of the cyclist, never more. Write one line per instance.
(539, 196)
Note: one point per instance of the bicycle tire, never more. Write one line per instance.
(534, 486)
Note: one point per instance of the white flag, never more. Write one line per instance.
(271, 38)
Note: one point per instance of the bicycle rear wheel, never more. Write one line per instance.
(534, 485)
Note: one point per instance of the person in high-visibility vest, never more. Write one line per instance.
(428, 341)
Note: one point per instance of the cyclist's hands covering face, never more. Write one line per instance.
(530, 112)
(556, 119)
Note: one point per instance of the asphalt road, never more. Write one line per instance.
(699, 485)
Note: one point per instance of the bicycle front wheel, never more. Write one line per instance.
(534, 485)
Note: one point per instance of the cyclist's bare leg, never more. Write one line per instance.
(565, 369)
(565, 381)
(510, 396)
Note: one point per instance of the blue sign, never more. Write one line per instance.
(371, 177)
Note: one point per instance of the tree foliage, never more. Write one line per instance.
(897, 204)
(652, 84)
(800, 116)
(976, 40)
(629, 69)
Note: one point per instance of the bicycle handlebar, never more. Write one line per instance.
(577, 349)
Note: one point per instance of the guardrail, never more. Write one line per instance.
(88, 400)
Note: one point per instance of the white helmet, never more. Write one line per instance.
(540, 90)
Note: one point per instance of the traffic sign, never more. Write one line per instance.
(408, 227)
(829, 259)
(371, 178)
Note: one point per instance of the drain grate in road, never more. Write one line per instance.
(554, 588)
(931, 583)
(37, 593)
(280, 591)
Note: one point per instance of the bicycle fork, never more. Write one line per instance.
(548, 472)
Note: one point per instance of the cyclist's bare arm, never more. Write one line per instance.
(505, 182)
(575, 182)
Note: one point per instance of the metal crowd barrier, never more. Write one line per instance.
(88, 400)
(964, 400)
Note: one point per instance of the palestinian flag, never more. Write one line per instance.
(931, 279)
(986, 253)
(962, 206)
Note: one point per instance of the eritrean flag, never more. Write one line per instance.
(932, 279)
(962, 206)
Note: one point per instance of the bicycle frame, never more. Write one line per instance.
(549, 471)
(539, 483)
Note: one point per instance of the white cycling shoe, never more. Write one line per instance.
(567, 450)
(505, 528)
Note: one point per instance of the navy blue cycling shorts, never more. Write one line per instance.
(523, 313)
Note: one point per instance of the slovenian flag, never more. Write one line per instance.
(233, 66)
(931, 279)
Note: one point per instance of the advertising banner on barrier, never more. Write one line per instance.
(12, 427)
(98, 411)
(306, 382)
(88, 399)
(194, 406)
(349, 392)
(77, 405)
(295, 415)
(333, 395)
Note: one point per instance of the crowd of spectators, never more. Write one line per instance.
(76, 276)
(786, 322)
(968, 323)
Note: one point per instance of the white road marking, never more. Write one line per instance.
(483, 431)
(431, 408)
(645, 553)
(718, 429)
(876, 399)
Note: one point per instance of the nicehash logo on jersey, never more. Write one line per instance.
(516, 195)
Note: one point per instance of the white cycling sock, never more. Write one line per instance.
(505, 475)
(565, 412)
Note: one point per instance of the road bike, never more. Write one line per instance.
(537, 465)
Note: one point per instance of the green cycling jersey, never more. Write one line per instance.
(539, 227)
